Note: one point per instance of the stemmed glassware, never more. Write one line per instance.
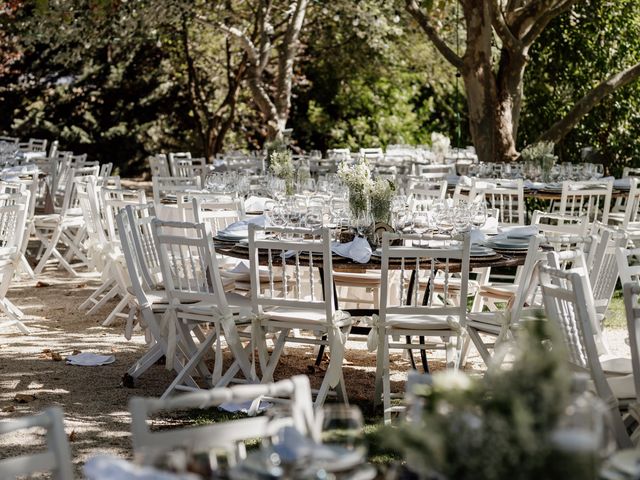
(478, 214)
(363, 222)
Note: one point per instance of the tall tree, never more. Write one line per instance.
(494, 83)
(272, 26)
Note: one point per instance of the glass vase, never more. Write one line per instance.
(358, 201)
(381, 210)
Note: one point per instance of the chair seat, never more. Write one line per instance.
(454, 284)
(622, 387)
(368, 279)
(400, 321)
(301, 316)
(159, 296)
(616, 365)
(486, 318)
(506, 292)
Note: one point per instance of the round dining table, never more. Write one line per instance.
(502, 259)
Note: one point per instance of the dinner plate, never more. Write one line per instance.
(509, 244)
(233, 234)
(479, 251)
(331, 458)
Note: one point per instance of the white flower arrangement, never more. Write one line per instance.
(356, 176)
(536, 152)
(282, 164)
(440, 144)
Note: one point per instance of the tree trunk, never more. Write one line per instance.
(479, 80)
(510, 79)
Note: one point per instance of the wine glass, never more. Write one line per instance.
(462, 219)
(363, 221)
(478, 214)
(343, 426)
(314, 217)
(444, 221)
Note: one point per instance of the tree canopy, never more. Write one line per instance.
(121, 80)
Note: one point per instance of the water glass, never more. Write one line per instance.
(343, 425)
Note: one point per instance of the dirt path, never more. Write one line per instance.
(95, 404)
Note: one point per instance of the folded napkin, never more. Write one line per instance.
(477, 236)
(484, 184)
(87, 359)
(465, 181)
(490, 226)
(244, 407)
(256, 204)
(533, 185)
(516, 232)
(453, 179)
(241, 270)
(243, 225)
(104, 467)
(357, 250)
(624, 182)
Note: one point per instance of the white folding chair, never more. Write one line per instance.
(601, 286)
(13, 209)
(294, 396)
(435, 318)
(166, 190)
(159, 165)
(431, 190)
(631, 292)
(134, 230)
(296, 298)
(563, 232)
(518, 299)
(173, 157)
(196, 298)
(56, 459)
(586, 199)
(64, 229)
(507, 195)
(567, 303)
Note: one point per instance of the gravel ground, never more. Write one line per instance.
(95, 404)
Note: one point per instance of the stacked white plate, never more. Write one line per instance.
(509, 243)
(481, 251)
(233, 235)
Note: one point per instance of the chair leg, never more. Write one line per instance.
(386, 384)
(269, 368)
(121, 306)
(480, 345)
(49, 249)
(95, 297)
(195, 359)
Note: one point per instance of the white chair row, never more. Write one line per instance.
(293, 397)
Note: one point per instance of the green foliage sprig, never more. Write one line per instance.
(496, 427)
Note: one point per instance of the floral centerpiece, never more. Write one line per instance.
(357, 178)
(440, 145)
(501, 426)
(541, 155)
(281, 165)
(381, 193)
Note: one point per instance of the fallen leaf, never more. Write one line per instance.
(41, 284)
(56, 357)
(72, 436)
(76, 352)
(81, 285)
(46, 350)
(9, 409)
(24, 398)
